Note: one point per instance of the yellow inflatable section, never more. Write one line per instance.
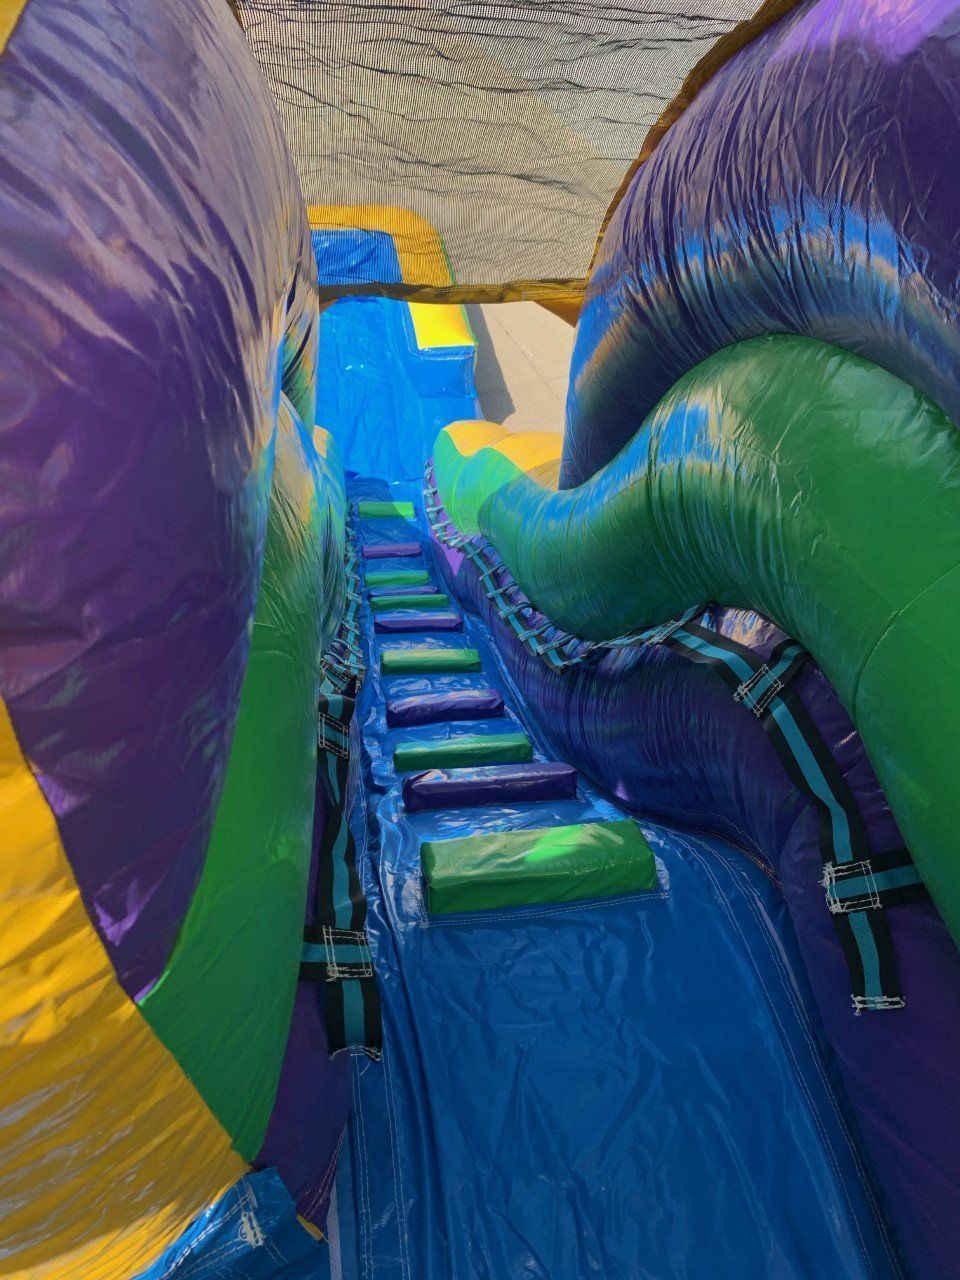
(108, 1151)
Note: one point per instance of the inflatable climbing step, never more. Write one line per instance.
(412, 599)
(385, 510)
(424, 588)
(489, 784)
(426, 660)
(391, 550)
(379, 579)
(545, 865)
(403, 620)
(464, 749)
(453, 704)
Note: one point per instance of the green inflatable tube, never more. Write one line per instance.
(789, 477)
(224, 1003)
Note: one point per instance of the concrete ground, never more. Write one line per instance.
(523, 361)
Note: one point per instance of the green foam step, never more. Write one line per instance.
(375, 510)
(398, 578)
(420, 660)
(464, 749)
(545, 865)
(380, 604)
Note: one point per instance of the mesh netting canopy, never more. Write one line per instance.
(488, 137)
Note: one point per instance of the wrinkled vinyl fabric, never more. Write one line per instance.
(382, 399)
(669, 739)
(762, 410)
(145, 300)
(172, 551)
(811, 187)
(589, 1088)
(251, 1234)
(791, 477)
(240, 941)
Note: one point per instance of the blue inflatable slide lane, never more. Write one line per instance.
(542, 1107)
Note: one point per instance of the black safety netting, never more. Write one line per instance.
(508, 127)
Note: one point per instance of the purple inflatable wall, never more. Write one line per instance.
(157, 291)
(812, 188)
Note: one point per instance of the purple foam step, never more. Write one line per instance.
(431, 708)
(390, 550)
(489, 784)
(411, 620)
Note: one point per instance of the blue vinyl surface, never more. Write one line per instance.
(382, 398)
(352, 256)
(629, 1090)
(251, 1233)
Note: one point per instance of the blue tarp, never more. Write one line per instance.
(351, 256)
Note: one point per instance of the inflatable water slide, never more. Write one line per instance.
(432, 851)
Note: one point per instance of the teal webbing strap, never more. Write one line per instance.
(859, 885)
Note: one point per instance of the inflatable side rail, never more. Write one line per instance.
(783, 476)
(798, 193)
(175, 538)
(858, 884)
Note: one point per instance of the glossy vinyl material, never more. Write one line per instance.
(91, 1185)
(811, 187)
(390, 550)
(418, 585)
(157, 293)
(458, 704)
(547, 865)
(666, 738)
(385, 510)
(385, 580)
(252, 1233)
(789, 477)
(313, 1094)
(381, 395)
(659, 1086)
(238, 952)
(629, 1088)
(489, 785)
(463, 749)
(417, 620)
(144, 302)
(419, 600)
(423, 658)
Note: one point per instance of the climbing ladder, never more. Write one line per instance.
(555, 863)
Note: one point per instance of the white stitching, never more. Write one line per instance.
(397, 1166)
(366, 1217)
(833, 872)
